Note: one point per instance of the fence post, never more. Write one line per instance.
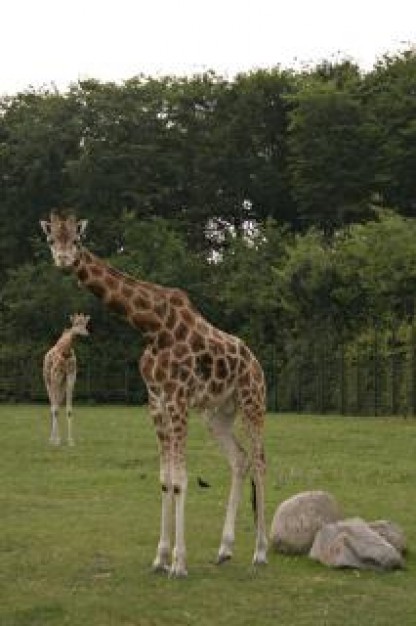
(275, 375)
(375, 370)
(342, 378)
(413, 355)
(299, 394)
(126, 382)
(393, 371)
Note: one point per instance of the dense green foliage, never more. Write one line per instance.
(283, 202)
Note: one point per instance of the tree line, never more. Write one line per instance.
(282, 201)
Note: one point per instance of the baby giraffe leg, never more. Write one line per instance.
(69, 394)
(54, 436)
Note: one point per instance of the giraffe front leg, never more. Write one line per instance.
(180, 486)
(161, 562)
(170, 423)
(178, 567)
(162, 559)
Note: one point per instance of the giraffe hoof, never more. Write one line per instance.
(177, 572)
(160, 568)
(259, 559)
(223, 558)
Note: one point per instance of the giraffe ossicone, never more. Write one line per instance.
(60, 372)
(187, 363)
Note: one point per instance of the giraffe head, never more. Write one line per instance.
(64, 234)
(79, 323)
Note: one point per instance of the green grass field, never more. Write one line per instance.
(79, 526)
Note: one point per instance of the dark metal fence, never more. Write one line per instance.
(377, 379)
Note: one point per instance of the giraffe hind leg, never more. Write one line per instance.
(69, 393)
(220, 424)
(253, 418)
(54, 436)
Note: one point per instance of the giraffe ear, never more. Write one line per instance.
(81, 228)
(46, 227)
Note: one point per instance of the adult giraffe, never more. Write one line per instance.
(60, 372)
(187, 363)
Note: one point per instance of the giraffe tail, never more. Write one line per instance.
(254, 499)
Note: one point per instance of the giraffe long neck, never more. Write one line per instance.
(64, 343)
(142, 304)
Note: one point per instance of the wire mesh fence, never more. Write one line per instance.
(378, 379)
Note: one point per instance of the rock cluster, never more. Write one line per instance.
(311, 523)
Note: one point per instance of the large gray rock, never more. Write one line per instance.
(352, 543)
(298, 519)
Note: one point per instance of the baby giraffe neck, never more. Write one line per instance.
(64, 343)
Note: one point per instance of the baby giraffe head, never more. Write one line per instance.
(79, 323)
(64, 234)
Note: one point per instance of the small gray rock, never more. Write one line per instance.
(352, 543)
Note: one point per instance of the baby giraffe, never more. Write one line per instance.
(59, 373)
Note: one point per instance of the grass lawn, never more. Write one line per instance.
(79, 526)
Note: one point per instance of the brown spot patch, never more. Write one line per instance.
(196, 342)
(164, 340)
(184, 373)
(171, 321)
(146, 323)
(221, 369)
(188, 362)
(160, 374)
(160, 309)
(245, 379)
(82, 274)
(215, 387)
(204, 365)
(169, 388)
(181, 331)
(141, 303)
(180, 350)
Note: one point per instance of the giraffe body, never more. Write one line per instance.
(59, 373)
(187, 363)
